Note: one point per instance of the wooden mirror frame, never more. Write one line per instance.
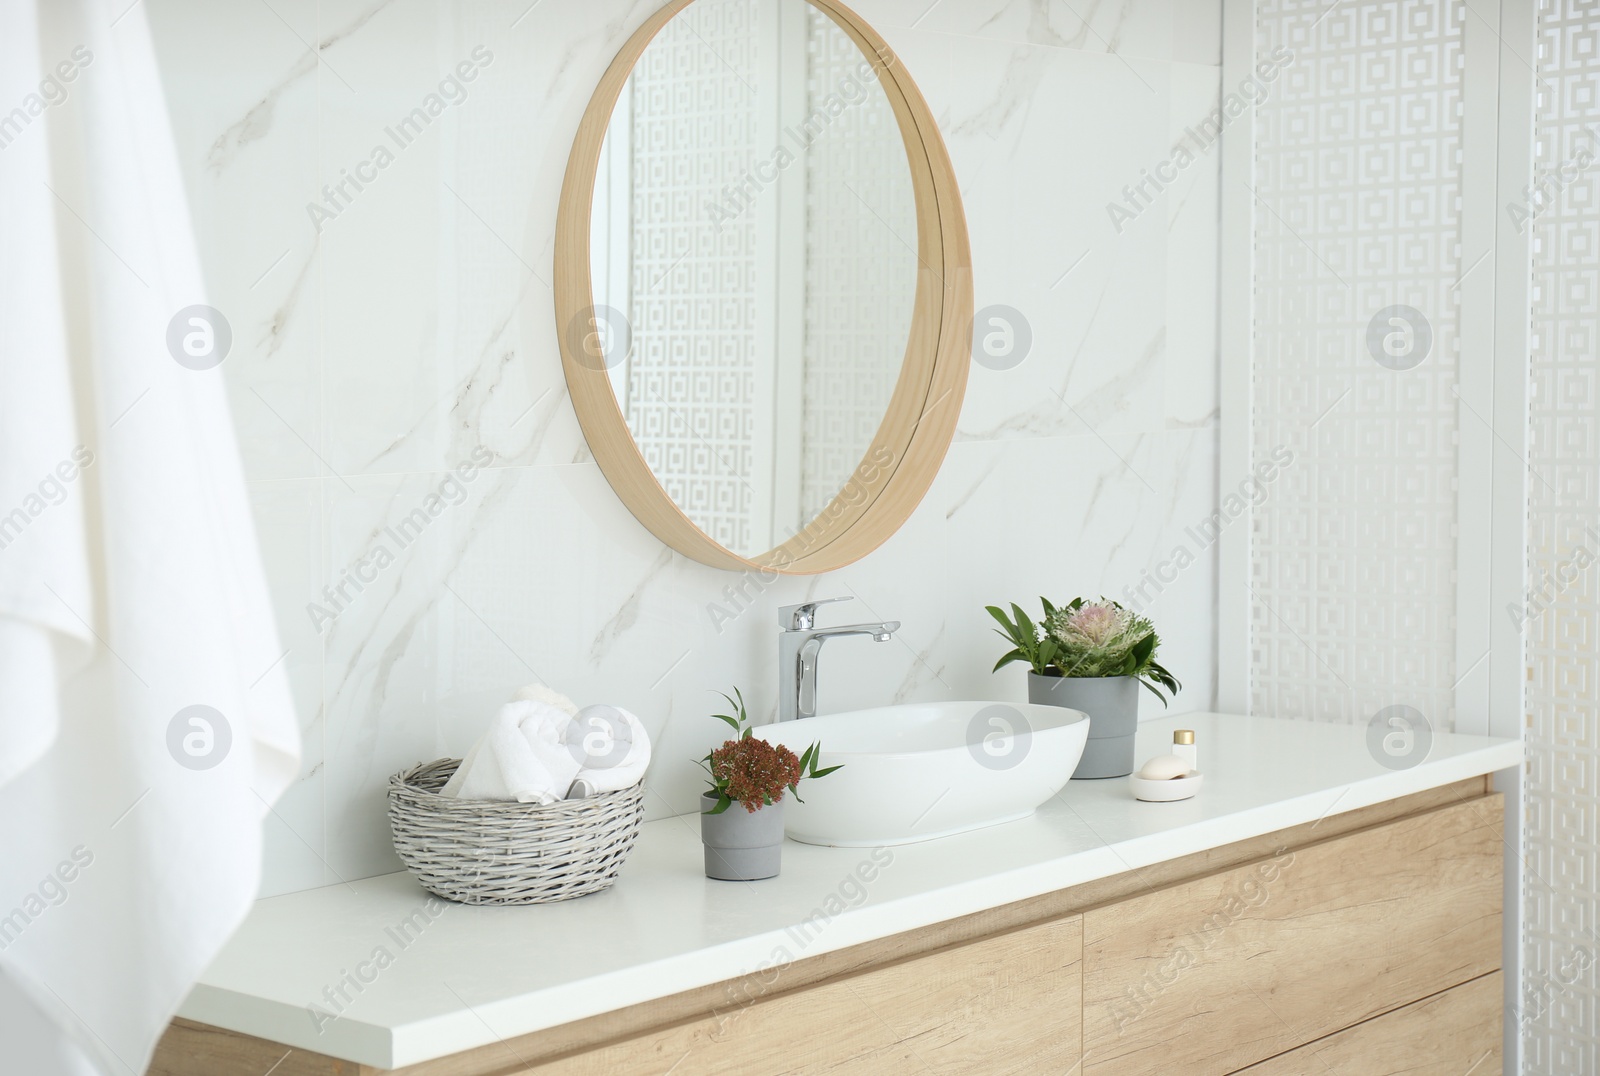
(920, 421)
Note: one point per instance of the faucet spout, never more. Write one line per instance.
(799, 644)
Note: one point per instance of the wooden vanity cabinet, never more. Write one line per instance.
(1452, 1033)
(1245, 964)
(1366, 942)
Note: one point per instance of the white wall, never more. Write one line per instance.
(372, 358)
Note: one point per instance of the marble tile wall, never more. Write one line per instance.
(383, 341)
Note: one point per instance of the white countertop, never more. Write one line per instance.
(474, 975)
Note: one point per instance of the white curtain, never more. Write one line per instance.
(131, 589)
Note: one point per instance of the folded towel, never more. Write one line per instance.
(524, 756)
(612, 746)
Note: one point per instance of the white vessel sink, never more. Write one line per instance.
(925, 770)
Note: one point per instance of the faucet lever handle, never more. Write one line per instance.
(802, 617)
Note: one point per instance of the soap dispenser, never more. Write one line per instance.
(1184, 747)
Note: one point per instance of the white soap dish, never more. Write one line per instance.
(1176, 788)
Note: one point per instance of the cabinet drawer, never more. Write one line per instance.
(1227, 970)
(1011, 1003)
(1448, 1034)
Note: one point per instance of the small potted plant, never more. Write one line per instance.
(752, 775)
(1090, 656)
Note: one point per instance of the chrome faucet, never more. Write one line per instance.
(798, 645)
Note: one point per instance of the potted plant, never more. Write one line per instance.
(1090, 656)
(747, 843)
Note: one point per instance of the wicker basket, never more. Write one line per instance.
(489, 852)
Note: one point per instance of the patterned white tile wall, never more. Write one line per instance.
(861, 223)
(1358, 163)
(1560, 1016)
(691, 393)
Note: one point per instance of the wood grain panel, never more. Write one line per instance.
(1240, 966)
(1008, 1004)
(191, 1049)
(1450, 1034)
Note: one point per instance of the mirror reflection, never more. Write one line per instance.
(754, 263)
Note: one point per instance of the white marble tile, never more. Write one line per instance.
(387, 378)
(243, 92)
(1043, 140)
(889, 17)
(1121, 27)
(289, 526)
(1193, 231)
(458, 234)
(1197, 31)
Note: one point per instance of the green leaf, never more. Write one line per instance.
(1049, 610)
(1166, 677)
(1154, 691)
(1025, 624)
(722, 803)
(1007, 658)
(1007, 629)
(826, 770)
(729, 720)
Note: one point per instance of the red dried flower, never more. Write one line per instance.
(754, 772)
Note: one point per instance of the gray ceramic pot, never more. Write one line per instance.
(1112, 703)
(741, 846)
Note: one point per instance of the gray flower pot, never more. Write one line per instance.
(1112, 703)
(741, 846)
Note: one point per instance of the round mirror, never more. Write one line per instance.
(763, 284)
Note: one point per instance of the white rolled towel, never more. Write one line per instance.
(526, 756)
(487, 782)
(547, 695)
(613, 745)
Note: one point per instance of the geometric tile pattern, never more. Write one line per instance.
(1357, 210)
(696, 293)
(861, 267)
(692, 378)
(1560, 1016)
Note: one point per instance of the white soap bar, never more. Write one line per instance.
(1164, 768)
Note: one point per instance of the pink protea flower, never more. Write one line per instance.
(1097, 623)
